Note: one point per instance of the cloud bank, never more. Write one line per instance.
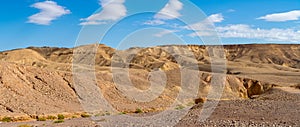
(112, 10)
(243, 31)
(282, 17)
(246, 31)
(49, 11)
(170, 11)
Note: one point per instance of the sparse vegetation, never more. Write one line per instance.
(179, 107)
(85, 115)
(25, 125)
(191, 104)
(59, 121)
(6, 119)
(60, 117)
(97, 115)
(21, 118)
(41, 119)
(122, 113)
(51, 117)
(107, 113)
(138, 110)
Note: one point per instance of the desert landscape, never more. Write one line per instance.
(261, 86)
(145, 63)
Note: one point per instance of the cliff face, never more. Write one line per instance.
(38, 81)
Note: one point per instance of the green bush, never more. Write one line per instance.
(59, 121)
(122, 113)
(107, 113)
(6, 119)
(84, 115)
(138, 110)
(51, 117)
(41, 119)
(191, 103)
(97, 115)
(179, 107)
(60, 117)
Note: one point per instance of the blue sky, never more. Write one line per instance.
(59, 22)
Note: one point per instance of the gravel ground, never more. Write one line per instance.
(79, 122)
(276, 108)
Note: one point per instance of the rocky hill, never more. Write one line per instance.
(39, 81)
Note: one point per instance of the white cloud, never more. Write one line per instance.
(49, 11)
(230, 10)
(205, 27)
(206, 23)
(164, 32)
(215, 18)
(92, 23)
(111, 10)
(246, 31)
(282, 17)
(170, 11)
(154, 22)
